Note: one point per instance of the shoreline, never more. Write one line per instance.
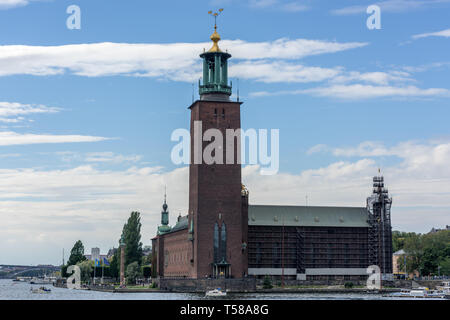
(277, 290)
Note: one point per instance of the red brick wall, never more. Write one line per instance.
(177, 254)
(216, 189)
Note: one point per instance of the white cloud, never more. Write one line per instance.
(81, 203)
(13, 112)
(9, 155)
(262, 3)
(389, 6)
(379, 78)
(443, 33)
(294, 6)
(430, 158)
(8, 4)
(177, 61)
(9, 138)
(361, 91)
(61, 206)
(111, 157)
(279, 71)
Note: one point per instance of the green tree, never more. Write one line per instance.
(147, 260)
(267, 284)
(425, 253)
(445, 267)
(86, 269)
(414, 250)
(131, 234)
(132, 272)
(76, 254)
(146, 271)
(114, 267)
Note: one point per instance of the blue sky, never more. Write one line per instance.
(86, 115)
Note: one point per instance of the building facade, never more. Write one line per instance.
(222, 236)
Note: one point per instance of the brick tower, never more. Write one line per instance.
(217, 221)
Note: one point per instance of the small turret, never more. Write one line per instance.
(164, 217)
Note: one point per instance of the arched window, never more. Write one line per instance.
(223, 243)
(216, 242)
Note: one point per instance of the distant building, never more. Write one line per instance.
(111, 253)
(397, 261)
(434, 230)
(95, 255)
(146, 250)
(398, 264)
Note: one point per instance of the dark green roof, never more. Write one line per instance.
(182, 223)
(267, 215)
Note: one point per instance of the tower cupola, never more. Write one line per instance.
(215, 69)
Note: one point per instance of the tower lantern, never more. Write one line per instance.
(215, 69)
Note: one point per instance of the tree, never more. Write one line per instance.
(267, 284)
(86, 270)
(445, 267)
(399, 238)
(147, 260)
(146, 271)
(76, 254)
(414, 250)
(427, 252)
(131, 234)
(115, 265)
(133, 272)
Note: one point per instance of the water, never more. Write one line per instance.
(11, 290)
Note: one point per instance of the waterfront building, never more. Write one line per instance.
(222, 236)
(95, 255)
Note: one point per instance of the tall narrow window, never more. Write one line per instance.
(216, 242)
(258, 253)
(223, 113)
(223, 243)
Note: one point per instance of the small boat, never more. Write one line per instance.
(40, 290)
(216, 293)
(420, 292)
(45, 280)
(445, 287)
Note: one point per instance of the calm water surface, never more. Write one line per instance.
(11, 290)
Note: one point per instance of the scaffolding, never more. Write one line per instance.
(307, 247)
(380, 233)
(300, 252)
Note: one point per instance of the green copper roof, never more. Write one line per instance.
(266, 215)
(163, 229)
(182, 223)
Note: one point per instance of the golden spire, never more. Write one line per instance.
(215, 37)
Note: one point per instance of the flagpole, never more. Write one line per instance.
(103, 266)
(95, 265)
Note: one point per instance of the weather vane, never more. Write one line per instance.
(215, 14)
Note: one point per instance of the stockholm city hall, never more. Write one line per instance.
(222, 236)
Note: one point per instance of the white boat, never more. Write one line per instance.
(45, 280)
(420, 292)
(216, 293)
(40, 290)
(445, 287)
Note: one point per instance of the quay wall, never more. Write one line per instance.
(202, 285)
